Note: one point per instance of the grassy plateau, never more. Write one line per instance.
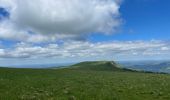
(83, 81)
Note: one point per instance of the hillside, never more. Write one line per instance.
(97, 65)
(83, 81)
(100, 66)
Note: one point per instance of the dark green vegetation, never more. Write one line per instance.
(97, 66)
(83, 81)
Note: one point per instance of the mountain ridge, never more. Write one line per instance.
(99, 66)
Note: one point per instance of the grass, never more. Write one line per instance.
(73, 84)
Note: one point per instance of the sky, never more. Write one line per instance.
(60, 31)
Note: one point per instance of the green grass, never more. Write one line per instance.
(80, 84)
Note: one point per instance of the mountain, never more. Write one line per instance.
(99, 66)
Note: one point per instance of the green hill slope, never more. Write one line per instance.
(83, 81)
(99, 66)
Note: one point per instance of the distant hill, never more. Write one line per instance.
(99, 66)
(152, 66)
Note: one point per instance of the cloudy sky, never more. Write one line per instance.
(56, 31)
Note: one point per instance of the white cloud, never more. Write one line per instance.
(100, 50)
(2, 52)
(165, 48)
(9, 32)
(65, 18)
(37, 21)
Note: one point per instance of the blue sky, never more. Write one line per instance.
(106, 30)
(143, 20)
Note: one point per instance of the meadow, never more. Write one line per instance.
(81, 84)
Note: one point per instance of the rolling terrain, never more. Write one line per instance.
(152, 66)
(84, 81)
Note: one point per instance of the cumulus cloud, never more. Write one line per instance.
(9, 32)
(37, 21)
(62, 17)
(75, 49)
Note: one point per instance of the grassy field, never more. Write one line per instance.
(82, 84)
